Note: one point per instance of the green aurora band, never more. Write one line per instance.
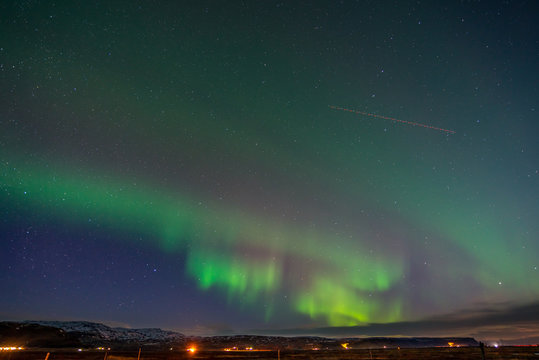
(242, 255)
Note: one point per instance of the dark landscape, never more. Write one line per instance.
(88, 341)
(463, 353)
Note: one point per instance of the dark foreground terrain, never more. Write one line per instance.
(464, 353)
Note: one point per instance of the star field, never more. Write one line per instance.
(189, 166)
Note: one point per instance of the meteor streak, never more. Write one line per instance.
(390, 118)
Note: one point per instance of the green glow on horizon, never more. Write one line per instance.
(334, 300)
(222, 242)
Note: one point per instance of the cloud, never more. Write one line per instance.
(209, 330)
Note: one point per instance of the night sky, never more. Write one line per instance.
(185, 165)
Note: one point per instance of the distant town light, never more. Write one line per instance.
(192, 349)
(11, 348)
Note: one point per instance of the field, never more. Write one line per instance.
(463, 353)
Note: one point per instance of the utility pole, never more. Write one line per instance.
(482, 346)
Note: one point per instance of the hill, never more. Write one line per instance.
(59, 334)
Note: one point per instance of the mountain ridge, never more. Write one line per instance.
(88, 334)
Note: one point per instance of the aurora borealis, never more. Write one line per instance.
(182, 165)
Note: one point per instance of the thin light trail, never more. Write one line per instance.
(390, 118)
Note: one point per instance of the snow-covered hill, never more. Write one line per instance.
(100, 332)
